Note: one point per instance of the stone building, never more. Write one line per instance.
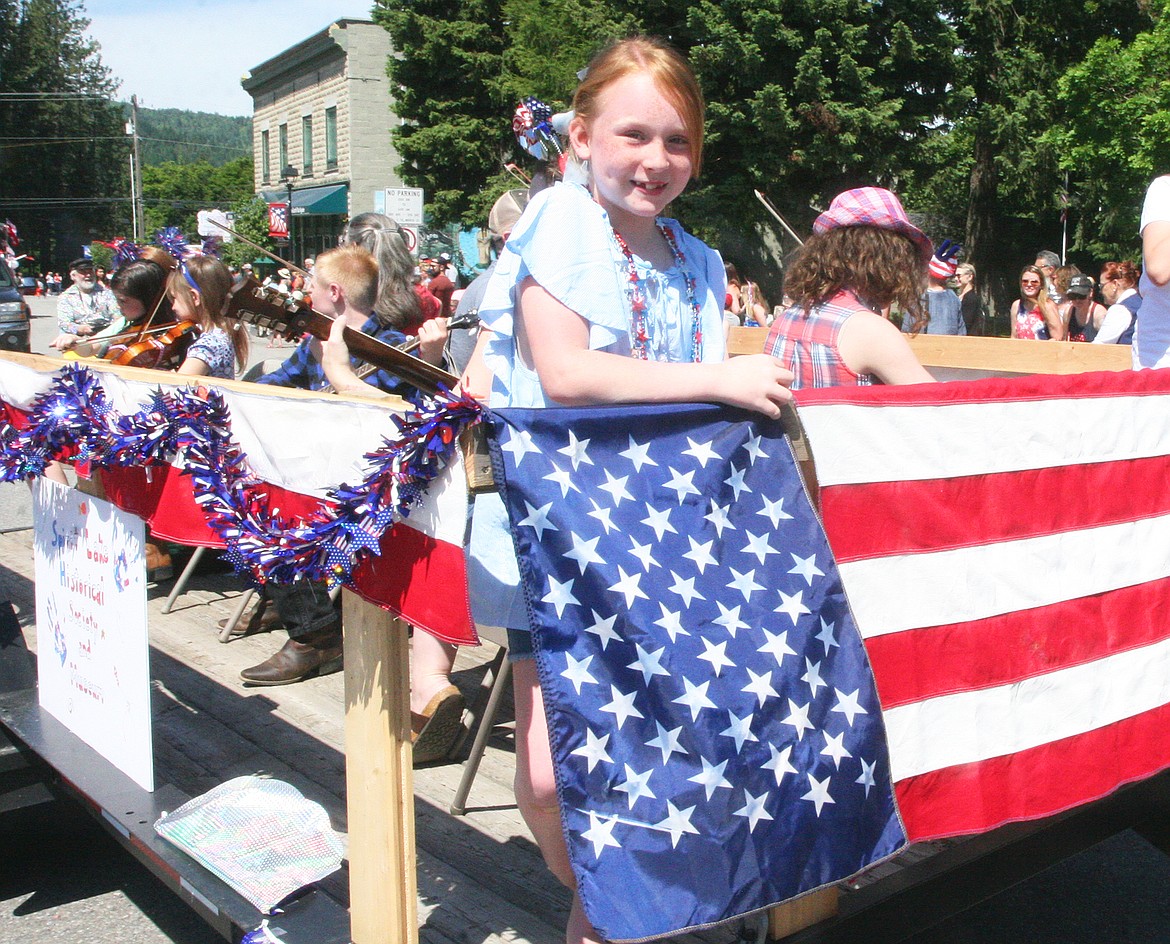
(321, 120)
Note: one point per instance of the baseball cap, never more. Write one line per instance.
(1079, 286)
(506, 211)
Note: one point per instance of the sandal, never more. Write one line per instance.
(435, 729)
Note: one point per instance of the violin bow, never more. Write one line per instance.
(776, 213)
(292, 266)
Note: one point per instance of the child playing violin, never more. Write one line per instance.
(199, 290)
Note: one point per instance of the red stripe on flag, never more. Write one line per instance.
(996, 389)
(1040, 781)
(879, 519)
(941, 660)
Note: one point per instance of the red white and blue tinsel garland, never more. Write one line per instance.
(75, 420)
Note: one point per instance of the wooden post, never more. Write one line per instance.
(804, 912)
(383, 877)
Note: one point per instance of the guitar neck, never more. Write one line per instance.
(419, 373)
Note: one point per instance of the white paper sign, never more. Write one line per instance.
(93, 659)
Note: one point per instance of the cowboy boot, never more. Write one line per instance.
(318, 653)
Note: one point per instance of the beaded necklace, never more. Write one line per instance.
(640, 332)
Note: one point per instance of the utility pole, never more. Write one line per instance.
(136, 174)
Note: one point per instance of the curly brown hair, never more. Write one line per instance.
(879, 266)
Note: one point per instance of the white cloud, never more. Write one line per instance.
(191, 54)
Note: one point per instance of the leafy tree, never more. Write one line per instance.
(174, 192)
(1116, 136)
(66, 181)
(1009, 58)
(251, 222)
(445, 79)
(810, 97)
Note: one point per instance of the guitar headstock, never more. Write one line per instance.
(267, 307)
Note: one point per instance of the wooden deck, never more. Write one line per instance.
(480, 876)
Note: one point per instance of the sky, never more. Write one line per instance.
(191, 53)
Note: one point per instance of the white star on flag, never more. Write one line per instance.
(538, 519)
(648, 663)
(636, 786)
(577, 671)
(671, 621)
(603, 629)
(849, 705)
(593, 750)
(564, 479)
(600, 833)
(700, 554)
(667, 742)
(639, 455)
(754, 449)
(778, 763)
(753, 809)
(584, 552)
(792, 605)
(736, 481)
(867, 779)
(806, 567)
(716, 654)
(835, 748)
(760, 686)
(677, 822)
(774, 511)
(519, 444)
(628, 586)
(729, 619)
(616, 488)
(719, 516)
(604, 515)
(576, 451)
(777, 646)
(745, 583)
(685, 589)
(658, 520)
(644, 553)
(702, 452)
(560, 594)
(621, 706)
(711, 777)
(798, 718)
(695, 698)
(828, 640)
(818, 792)
(812, 676)
(759, 545)
(739, 730)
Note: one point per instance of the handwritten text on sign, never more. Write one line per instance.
(92, 651)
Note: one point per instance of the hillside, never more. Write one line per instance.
(172, 134)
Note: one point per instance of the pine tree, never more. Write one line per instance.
(60, 193)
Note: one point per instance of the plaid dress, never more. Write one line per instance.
(806, 342)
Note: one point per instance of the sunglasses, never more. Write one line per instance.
(1029, 281)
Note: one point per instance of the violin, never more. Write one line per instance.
(253, 303)
(162, 349)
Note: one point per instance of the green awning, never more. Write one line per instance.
(318, 201)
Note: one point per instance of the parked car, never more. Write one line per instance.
(15, 314)
(29, 285)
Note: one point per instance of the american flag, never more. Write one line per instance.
(715, 730)
(1005, 545)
